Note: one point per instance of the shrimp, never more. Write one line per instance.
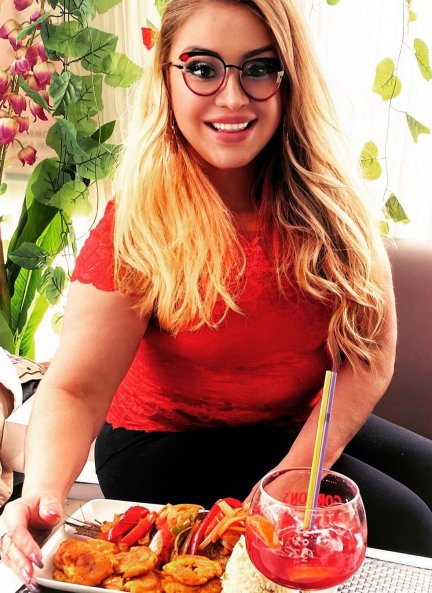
(193, 570)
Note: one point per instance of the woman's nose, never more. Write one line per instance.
(231, 95)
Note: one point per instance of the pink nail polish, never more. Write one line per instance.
(36, 561)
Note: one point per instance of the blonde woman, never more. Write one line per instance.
(235, 266)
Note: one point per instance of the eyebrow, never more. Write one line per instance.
(247, 55)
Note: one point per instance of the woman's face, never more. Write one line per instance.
(232, 32)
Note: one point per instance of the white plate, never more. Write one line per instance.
(95, 510)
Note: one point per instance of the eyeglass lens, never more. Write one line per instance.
(260, 78)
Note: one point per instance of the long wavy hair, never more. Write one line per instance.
(176, 243)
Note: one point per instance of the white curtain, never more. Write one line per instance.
(351, 38)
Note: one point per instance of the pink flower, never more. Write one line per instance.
(8, 130)
(4, 82)
(43, 72)
(41, 51)
(20, 67)
(17, 102)
(32, 82)
(22, 4)
(36, 110)
(27, 155)
(32, 54)
(23, 123)
(13, 40)
(7, 28)
(35, 15)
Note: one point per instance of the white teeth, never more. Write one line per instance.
(230, 127)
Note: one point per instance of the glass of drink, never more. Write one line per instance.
(301, 548)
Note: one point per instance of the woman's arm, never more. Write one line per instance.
(100, 336)
(355, 397)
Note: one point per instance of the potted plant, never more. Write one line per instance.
(60, 67)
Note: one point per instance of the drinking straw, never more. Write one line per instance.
(320, 447)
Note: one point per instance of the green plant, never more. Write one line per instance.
(77, 62)
(388, 86)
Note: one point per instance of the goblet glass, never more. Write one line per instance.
(303, 548)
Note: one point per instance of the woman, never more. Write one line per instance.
(236, 265)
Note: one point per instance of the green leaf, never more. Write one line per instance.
(161, 5)
(104, 132)
(82, 9)
(416, 127)
(27, 282)
(37, 98)
(121, 71)
(383, 227)
(64, 39)
(422, 55)
(105, 5)
(32, 26)
(6, 336)
(56, 323)
(332, 2)
(100, 161)
(27, 341)
(62, 138)
(72, 198)
(52, 284)
(65, 89)
(411, 16)
(49, 179)
(85, 125)
(369, 164)
(386, 83)
(29, 256)
(100, 46)
(3, 188)
(89, 97)
(394, 210)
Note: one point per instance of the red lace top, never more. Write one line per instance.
(266, 365)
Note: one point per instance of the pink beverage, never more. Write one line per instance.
(300, 548)
(316, 559)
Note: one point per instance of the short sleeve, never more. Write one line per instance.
(95, 262)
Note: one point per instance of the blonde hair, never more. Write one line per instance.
(175, 241)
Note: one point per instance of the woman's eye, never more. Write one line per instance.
(260, 69)
(201, 70)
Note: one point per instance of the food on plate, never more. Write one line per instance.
(180, 549)
(193, 570)
(84, 562)
(241, 576)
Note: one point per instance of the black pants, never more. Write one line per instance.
(391, 465)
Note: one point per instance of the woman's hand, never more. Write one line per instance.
(22, 524)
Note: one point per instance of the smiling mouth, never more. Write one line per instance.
(240, 127)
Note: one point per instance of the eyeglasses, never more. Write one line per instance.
(205, 74)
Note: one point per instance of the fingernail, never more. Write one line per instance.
(36, 561)
(52, 512)
(33, 588)
(26, 576)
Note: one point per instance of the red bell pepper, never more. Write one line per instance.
(140, 530)
(129, 519)
(209, 522)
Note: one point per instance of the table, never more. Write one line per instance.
(382, 572)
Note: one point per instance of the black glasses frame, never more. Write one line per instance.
(190, 54)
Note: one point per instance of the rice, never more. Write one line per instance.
(241, 575)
